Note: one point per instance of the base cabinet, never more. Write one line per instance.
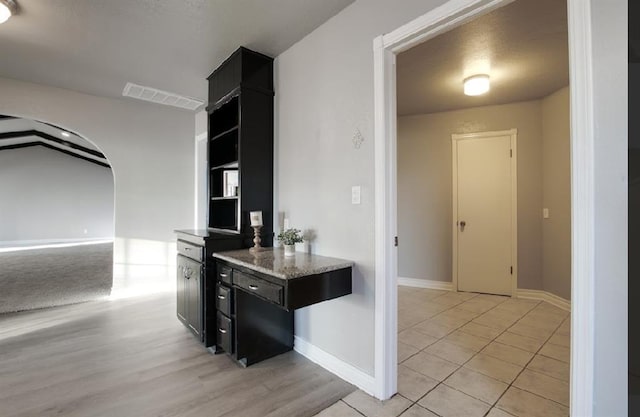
(197, 295)
(189, 294)
(252, 323)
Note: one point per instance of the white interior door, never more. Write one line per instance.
(484, 212)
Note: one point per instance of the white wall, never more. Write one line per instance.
(609, 28)
(425, 197)
(425, 194)
(556, 194)
(48, 195)
(324, 93)
(150, 148)
(201, 171)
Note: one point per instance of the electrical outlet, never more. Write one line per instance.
(545, 213)
(355, 194)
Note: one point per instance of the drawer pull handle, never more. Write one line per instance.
(223, 331)
(187, 248)
(223, 275)
(222, 297)
(253, 287)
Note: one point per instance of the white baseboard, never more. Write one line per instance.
(544, 296)
(425, 283)
(520, 293)
(349, 373)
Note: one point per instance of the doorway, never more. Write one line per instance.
(485, 212)
(56, 241)
(386, 47)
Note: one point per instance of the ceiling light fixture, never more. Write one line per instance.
(476, 85)
(7, 9)
(65, 134)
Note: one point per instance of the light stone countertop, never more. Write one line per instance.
(271, 261)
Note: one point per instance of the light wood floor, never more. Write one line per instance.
(133, 358)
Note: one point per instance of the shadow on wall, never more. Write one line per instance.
(57, 228)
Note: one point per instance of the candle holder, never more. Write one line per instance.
(256, 240)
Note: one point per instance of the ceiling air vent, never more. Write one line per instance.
(160, 97)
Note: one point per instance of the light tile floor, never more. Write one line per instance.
(467, 354)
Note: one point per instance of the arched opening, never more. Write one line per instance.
(57, 217)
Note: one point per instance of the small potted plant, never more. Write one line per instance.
(289, 238)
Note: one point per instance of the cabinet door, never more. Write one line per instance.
(181, 298)
(194, 298)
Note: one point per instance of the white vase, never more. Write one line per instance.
(289, 250)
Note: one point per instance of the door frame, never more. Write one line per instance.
(513, 135)
(385, 47)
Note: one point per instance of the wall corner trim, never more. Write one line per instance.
(544, 296)
(349, 373)
(425, 283)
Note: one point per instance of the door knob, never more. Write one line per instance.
(462, 225)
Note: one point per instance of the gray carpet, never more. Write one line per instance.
(38, 278)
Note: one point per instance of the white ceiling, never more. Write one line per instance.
(522, 46)
(97, 46)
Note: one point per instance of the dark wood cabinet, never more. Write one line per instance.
(189, 292)
(256, 309)
(241, 145)
(196, 280)
(252, 323)
(240, 165)
(241, 311)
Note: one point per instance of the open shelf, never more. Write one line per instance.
(223, 214)
(224, 118)
(226, 132)
(224, 150)
(225, 198)
(230, 165)
(224, 183)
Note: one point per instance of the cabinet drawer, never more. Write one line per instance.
(224, 274)
(223, 299)
(260, 287)
(225, 333)
(190, 251)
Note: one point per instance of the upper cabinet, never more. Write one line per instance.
(241, 144)
(245, 68)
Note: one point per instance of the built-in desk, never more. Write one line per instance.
(256, 294)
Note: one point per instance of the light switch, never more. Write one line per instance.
(545, 213)
(355, 194)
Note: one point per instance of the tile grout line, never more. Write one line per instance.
(462, 365)
(353, 408)
(441, 338)
(421, 350)
(538, 303)
(435, 315)
(527, 364)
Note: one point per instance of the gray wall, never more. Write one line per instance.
(425, 196)
(556, 194)
(47, 195)
(544, 180)
(609, 31)
(150, 148)
(324, 93)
